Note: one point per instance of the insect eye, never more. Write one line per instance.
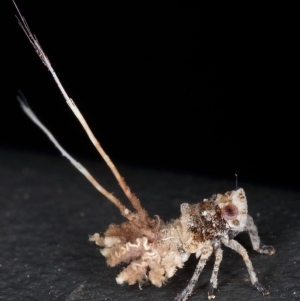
(230, 211)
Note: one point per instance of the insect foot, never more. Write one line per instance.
(261, 289)
(263, 249)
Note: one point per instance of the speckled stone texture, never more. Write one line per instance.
(48, 209)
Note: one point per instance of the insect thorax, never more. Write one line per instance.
(204, 223)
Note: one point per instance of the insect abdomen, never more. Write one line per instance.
(154, 260)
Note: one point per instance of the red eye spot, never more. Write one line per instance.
(230, 211)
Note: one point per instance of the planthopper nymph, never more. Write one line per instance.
(151, 249)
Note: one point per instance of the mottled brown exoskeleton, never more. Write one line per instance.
(153, 249)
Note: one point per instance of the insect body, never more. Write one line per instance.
(153, 249)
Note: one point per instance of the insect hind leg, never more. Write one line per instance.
(205, 255)
(214, 277)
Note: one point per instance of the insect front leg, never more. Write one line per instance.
(255, 240)
(234, 245)
(214, 277)
(205, 255)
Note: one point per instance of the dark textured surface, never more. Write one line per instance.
(48, 209)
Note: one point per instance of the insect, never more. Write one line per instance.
(152, 249)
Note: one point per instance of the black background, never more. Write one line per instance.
(165, 84)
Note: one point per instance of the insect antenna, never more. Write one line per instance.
(236, 181)
(141, 212)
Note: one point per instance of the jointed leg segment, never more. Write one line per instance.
(234, 245)
(214, 277)
(255, 240)
(205, 255)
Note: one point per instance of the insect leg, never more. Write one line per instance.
(205, 255)
(253, 233)
(214, 277)
(234, 245)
